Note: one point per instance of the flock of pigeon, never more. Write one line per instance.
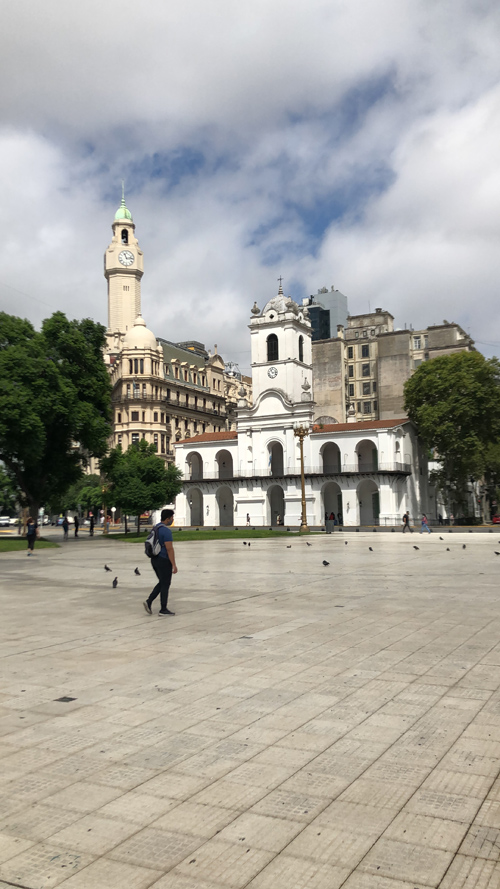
(115, 581)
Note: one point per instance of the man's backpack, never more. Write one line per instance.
(152, 545)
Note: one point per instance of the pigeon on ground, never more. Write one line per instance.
(115, 583)
(325, 563)
(308, 544)
(448, 550)
(441, 538)
(289, 547)
(463, 545)
(346, 542)
(416, 547)
(496, 553)
(370, 549)
(244, 543)
(136, 571)
(106, 568)
(249, 544)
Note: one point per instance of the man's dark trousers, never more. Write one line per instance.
(163, 570)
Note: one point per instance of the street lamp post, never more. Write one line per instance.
(301, 432)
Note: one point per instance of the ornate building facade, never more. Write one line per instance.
(162, 391)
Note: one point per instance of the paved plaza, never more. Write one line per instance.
(294, 726)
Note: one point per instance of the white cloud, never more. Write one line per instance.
(348, 143)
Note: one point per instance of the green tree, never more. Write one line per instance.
(454, 401)
(55, 403)
(8, 494)
(85, 493)
(140, 480)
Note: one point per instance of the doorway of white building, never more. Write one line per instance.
(276, 458)
(368, 502)
(276, 505)
(332, 500)
(225, 504)
(195, 500)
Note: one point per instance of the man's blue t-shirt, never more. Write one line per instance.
(164, 536)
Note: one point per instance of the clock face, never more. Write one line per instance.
(272, 372)
(126, 257)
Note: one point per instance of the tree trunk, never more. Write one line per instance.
(138, 523)
(126, 526)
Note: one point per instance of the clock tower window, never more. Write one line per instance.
(301, 348)
(272, 347)
(124, 236)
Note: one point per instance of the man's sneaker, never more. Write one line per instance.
(147, 606)
(167, 612)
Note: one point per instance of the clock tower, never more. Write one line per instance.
(123, 270)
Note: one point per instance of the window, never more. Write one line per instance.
(351, 390)
(185, 376)
(301, 348)
(272, 347)
(218, 385)
(350, 370)
(204, 403)
(416, 362)
(155, 417)
(142, 365)
(367, 407)
(144, 390)
(350, 352)
(366, 388)
(144, 416)
(196, 401)
(128, 390)
(135, 416)
(365, 333)
(365, 351)
(365, 370)
(119, 439)
(156, 391)
(176, 372)
(417, 343)
(375, 405)
(374, 385)
(163, 418)
(194, 379)
(135, 438)
(372, 332)
(356, 334)
(163, 444)
(119, 417)
(130, 366)
(426, 341)
(126, 287)
(155, 441)
(136, 365)
(124, 236)
(359, 407)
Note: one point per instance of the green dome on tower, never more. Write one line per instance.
(123, 212)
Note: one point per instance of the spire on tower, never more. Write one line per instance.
(123, 212)
(280, 291)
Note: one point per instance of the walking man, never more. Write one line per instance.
(163, 564)
(31, 534)
(77, 525)
(406, 522)
(91, 531)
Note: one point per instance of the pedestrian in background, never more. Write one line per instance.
(163, 564)
(65, 527)
(425, 525)
(91, 530)
(31, 534)
(77, 525)
(406, 522)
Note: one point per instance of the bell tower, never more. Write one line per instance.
(123, 270)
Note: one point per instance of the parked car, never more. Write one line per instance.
(4, 521)
(496, 520)
(14, 521)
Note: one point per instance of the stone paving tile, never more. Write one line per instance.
(444, 781)
(37, 822)
(195, 819)
(93, 834)
(229, 795)
(43, 866)
(175, 880)
(387, 795)
(138, 808)
(403, 861)
(331, 845)
(10, 846)
(83, 797)
(285, 804)
(261, 832)
(159, 849)
(472, 873)
(359, 880)
(482, 842)
(225, 864)
(370, 820)
(422, 830)
(444, 805)
(286, 872)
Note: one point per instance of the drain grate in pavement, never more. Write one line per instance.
(65, 699)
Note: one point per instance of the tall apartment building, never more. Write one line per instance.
(360, 373)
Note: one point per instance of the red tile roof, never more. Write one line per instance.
(356, 427)
(209, 436)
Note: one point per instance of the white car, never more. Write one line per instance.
(4, 521)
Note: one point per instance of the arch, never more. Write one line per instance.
(332, 501)
(272, 347)
(367, 455)
(124, 236)
(276, 459)
(225, 503)
(194, 466)
(225, 463)
(195, 504)
(276, 505)
(330, 453)
(368, 502)
(301, 348)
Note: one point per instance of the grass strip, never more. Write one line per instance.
(14, 546)
(209, 534)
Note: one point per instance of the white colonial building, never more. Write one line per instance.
(366, 473)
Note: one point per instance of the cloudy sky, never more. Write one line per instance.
(344, 142)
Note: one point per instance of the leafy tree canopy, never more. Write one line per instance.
(85, 493)
(139, 479)
(55, 403)
(454, 401)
